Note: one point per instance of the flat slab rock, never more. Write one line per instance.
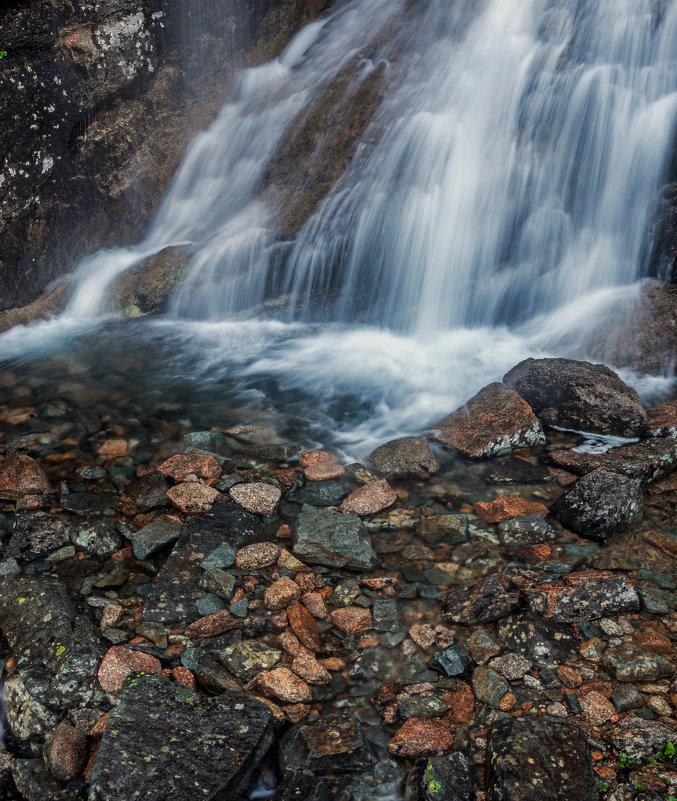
(58, 662)
(327, 537)
(164, 742)
(539, 759)
(647, 461)
(588, 595)
(578, 395)
(600, 504)
(494, 422)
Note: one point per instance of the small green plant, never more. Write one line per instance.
(433, 785)
(672, 798)
(669, 752)
(639, 785)
(3, 53)
(625, 762)
(603, 786)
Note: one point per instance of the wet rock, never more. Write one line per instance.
(512, 666)
(421, 737)
(58, 663)
(646, 461)
(324, 471)
(192, 498)
(302, 785)
(164, 741)
(212, 625)
(539, 759)
(65, 752)
(303, 625)
(352, 619)
(505, 507)
(496, 421)
(324, 493)
(641, 739)
(386, 614)
(85, 504)
(451, 529)
(36, 535)
(409, 457)
(19, 476)
(600, 504)
(309, 669)
(627, 697)
(35, 783)
(578, 395)
(333, 745)
(453, 661)
(259, 498)
(149, 491)
(119, 662)
(663, 420)
(98, 538)
(446, 778)
(218, 582)
(246, 659)
(486, 601)
(596, 708)
(369, 499)
(257, 555)
(545, 643)
(112, 448)
(158, 533)
(182, 465)
(489, 686)
(422, 706)
(26, 717)
(281, 593)
(327, 537)
(629, 662)
(529, 530)
(282, 684)
(518, 471)
(176, 589)
(588, 595)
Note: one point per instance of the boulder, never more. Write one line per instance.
(539, 759)
(578, 395)
(409, 457)
(599, 504)
(495, 421)
(165, 742)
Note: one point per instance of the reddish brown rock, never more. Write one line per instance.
(314, 603)
(184, 677)
(303, 625)
(663, 420)
(282, 684)
(112, 448)
(505, 507)
(461, 704)
(352, 619)
(496, 421)
(323, 471)
(281, 593)
(309, 669)
(369, 499)
(119, 662)
(421, 737)
(20, 475)
(596, 708)
(259, 554)
(212, 625)
(307, 458)
(65, 752)
(192, 498)
(182, 465)
(654, 641)
(257, 497)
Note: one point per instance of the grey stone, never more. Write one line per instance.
(600, 503)
(98, 538)
(629, 662)
(453, 661)
(489, 686)
(303, 785)
(490, 599)
(332, 745)
(512, 666)
(156, 535)
(164, 741)
(409, 457)
(447, 778)
(149, 491)
(627, 697)
(543, 642)
(528, 530)
(641, 739)
(422, 706)
(36, 535)
(539, 759)
(27, 718)
(386, 614)
(246, 659)
(89, 503)
(451, 529)
(221, 557)
(327, 537)
(321, 493)
(218, 582)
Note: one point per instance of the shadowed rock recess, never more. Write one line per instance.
(206, 614)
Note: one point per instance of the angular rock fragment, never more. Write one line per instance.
(164, 742)
(447, 778)
(369, 499)
(258, 497)
(600, 504)
(282, 684)
(149, 491)
(192, 497)
(539, 759)
(642, 739)
(409, 457)
(454, 661)
(327, 537)
(528, 530)
(578, 395)
(578, 597)
(65, 752)
(505, 507)
(489, 686)
(182, 465)
(421, 737)
(545, 643)
(496, 421)
(629, 662)
(488, 600)
(119, 662)
(303, 625)
(151, 538)
(36, 535)
(333, 745)
(19, 476)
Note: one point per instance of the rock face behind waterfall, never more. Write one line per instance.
(99, 101)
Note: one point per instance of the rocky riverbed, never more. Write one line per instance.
(481, 613)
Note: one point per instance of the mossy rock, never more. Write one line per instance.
(146, 289)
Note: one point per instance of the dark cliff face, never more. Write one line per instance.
(99, 101)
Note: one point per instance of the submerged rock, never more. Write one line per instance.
(600, 504)
(327, 537)
(369, 499)
(166, 742)
(578, 395)
(488, 600)
(539, 759)
(19, 476)
(409, 457)
(496, 421)
(505, 507)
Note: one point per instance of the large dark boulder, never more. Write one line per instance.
(164, 742)
(578, 395)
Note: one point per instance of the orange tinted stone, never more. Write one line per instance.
(184, 677)
(212, 625)
(20, 475)
(112, 448)
(352, 619)
(461, 704)
(182, 465)
(369, 499)
(281, 593)
(506, 507)
(119, 662)
(421, 737)
(303, 625)
(655, 642)
(192, 498)
(324, 471)
(314, 603)
(508, 702)
(65, 752)
(308, 458)
(282, 684)
(309, 669)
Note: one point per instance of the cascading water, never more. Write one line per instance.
(496, 205)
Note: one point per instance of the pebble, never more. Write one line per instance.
(324, 471)
(369, 499)
(303, 625)
(259, 498)
(281, 593)
(596, 708)
(506, 507)
(309, 669)
(259, 554)
(512, 666)
(282, 684)
(352, 619)
(192, 498)
(308, 458)
(112, 448)
(315, 604)
(20, 475)
(119, 662)
(182, 465)
(421, 737)
(65, 752)
(212, 625)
